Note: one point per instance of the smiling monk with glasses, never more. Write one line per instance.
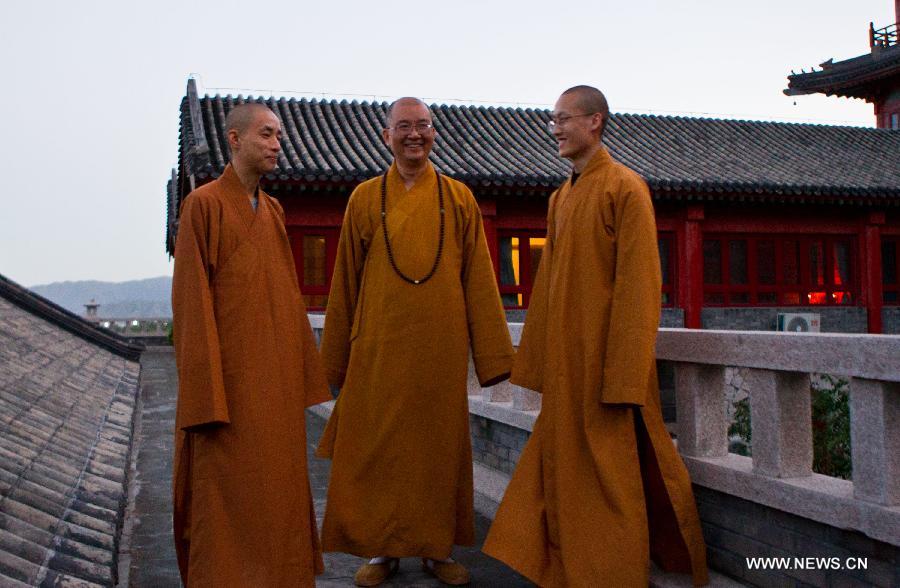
(413, 292)
(599, 488)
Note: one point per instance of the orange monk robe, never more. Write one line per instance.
(247, 366)
(401, 474)
(600, 462)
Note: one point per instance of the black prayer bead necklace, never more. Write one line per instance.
(387, 241)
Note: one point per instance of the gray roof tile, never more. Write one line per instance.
(66, 402)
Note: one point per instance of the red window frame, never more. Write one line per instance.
(331, 235)
(526, 277)
(668, 287)
(807, 293)
(891, 288)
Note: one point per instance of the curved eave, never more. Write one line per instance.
(851, 78)
(785, 194)
(662, 189)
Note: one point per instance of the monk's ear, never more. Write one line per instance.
(233, 139)
(386, 136)
(597, 122)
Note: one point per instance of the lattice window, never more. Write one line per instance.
(772, 270)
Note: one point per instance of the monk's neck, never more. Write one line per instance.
(248, 176)
(580, 161)
(410, 173)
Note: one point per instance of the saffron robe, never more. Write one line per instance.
(599, 462)
(401, 474)
(248, 367)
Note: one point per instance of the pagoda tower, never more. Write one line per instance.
(873, 77)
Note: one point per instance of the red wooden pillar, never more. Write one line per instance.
(872, 294)
(690, 267)
(489, 219)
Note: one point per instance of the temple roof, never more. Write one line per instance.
(859, 77)
(66, 404)
(331, 145)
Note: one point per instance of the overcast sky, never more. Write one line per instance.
(91, 89)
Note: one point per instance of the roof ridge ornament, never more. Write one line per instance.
(200, 148)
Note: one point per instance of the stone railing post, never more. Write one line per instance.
(781, 423)
(700, 405)
(525, 399)
(875, 440)
(502, 392)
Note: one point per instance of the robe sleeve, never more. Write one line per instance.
(528, 370)
(634, 314)
(342, 298)
(492, 350)
(201, 387)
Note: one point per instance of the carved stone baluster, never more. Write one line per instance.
(875, 440)
(700, 405)
(781, 422)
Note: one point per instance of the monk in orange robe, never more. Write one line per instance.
(247, 367)
(413, 290)
(599, 488)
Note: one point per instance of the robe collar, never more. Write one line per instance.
(395, 181)
(598, 162)
(233, 190)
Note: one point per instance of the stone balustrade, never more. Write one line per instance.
(779, 474)
(777, 368)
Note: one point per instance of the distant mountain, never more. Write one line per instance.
(137, 298)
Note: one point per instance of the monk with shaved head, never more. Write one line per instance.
(247, 368)
(599, 489)
(413, 293)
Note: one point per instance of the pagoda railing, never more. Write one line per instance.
(884, 37)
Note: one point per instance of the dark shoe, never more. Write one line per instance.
(449, 572)
(370, 574)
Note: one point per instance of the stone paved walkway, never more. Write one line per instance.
(152, 553)
(149, 553)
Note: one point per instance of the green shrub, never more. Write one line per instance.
(739, 433)
(830, 428)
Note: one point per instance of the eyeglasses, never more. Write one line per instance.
(406, 128)
(560, 121)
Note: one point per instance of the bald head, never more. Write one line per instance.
(409, 133)
(253, 132)
(405, 101)
(589, 99)
(240, 117)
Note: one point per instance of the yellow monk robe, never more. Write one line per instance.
(595, 470)
(248, 367)
(401, 474)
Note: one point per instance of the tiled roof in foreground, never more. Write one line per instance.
(66, 407)
(331, 144)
